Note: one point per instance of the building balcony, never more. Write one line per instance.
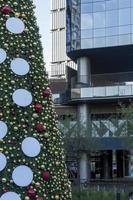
(103, 92)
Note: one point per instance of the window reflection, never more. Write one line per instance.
(112, 41)
(124, 3)
(86, 33)
(111, 18)
(111, 31)
(100, 23)
(99, 42)
(86, 8)
(124, 39)
(86, 21)
(99, 20)
(86, 43)
(99, 32)
(112, 4)
(124, 29)
(124, 16)
(98, 6)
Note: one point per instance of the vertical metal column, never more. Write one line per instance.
(84, 79)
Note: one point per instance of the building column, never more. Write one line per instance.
(83, 168)
(84, 71)
(84, 78)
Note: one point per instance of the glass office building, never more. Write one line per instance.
(99, 38)
(99, 23)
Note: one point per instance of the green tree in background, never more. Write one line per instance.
(32, 161)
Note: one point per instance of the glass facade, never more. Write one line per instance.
(99, 23)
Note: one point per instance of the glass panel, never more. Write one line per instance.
(132, 38)
(86, 21)
(98, 6)
(112, 18)
(86, 8)
(124, 29)
(99, 20)
(124, 16)
(124, 3)
(86, 33)
(112, 41)
(124, 39)
(112, 4)
(86, 43)
(86, 1)
(131, 15)
(99, 32)
(132, 3)
(99, 42)
(111, 31)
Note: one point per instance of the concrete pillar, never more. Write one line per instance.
(84, 78)
(84, 71)
(83, 168)
(83, 114)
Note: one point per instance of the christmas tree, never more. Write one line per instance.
(32, 161)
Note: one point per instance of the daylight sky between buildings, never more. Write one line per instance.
(43, 19)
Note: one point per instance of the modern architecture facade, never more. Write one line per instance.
(99, 38)
(59, 59)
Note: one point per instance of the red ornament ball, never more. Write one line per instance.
(6, 9)
(40, 127)
(38, 107)
(46, 92)
(46, 175)
(31, 192)
(39, 198)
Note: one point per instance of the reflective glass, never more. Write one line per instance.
(86, 1)
(112, 41)
(86, 21)
(86, 33)
(124, 3)
(132, 3)
(98, 6)
(112, 4)
(86, 43)
(111, 18)
(124, 29)
(86, 8)
(111, 31)
(132, 15)
(99, 20)
(124, 39)
(124, 16)
(99, 42)
(99, 32)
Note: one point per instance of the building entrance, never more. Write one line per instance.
(110, 164)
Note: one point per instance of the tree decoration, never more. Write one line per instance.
(46, 92)
(38, 107)
(40, 127)
(46, 175)
(39, 198)
(31, 193)
(26, 111)
(6, 9)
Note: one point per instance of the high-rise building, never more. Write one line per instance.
(58, 34)
(100, 39)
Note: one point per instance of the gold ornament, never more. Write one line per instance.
(17, 14)
(57, 197)
(26, 198)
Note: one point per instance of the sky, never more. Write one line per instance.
(42, 12)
